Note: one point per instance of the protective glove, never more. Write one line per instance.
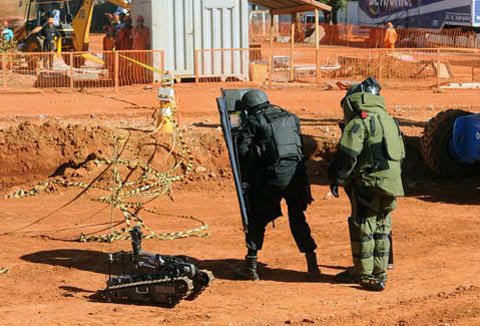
(334, 190)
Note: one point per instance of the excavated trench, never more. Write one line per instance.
(31, 153)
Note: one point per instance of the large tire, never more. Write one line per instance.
(434, 145)
(33, 44)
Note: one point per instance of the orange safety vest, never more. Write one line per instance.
(141, 38)
(390, 36)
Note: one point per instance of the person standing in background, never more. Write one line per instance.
(141, 42)
(7, 33)
(390, 37)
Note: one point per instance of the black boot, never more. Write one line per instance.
(249, 270)
(312, 264)
(347, 277)
(373, 284)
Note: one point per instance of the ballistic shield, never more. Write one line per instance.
(232, 118)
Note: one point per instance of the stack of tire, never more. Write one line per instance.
(435, 146)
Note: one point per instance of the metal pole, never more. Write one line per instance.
(346, 23)
(380, 68)
(71, 69)
(270, 57)
(438, 68)
(317, 47)
(292, 44)
(232, 66)
(264, 24)
(116, 71)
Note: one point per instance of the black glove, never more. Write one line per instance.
(334, 189)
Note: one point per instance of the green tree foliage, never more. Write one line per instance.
(8, 46)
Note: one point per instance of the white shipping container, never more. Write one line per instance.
(179, 27)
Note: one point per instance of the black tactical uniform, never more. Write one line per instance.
(49, 32)
(272, 163)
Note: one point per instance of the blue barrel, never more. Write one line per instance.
(465, 142)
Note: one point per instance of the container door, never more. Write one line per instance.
(173, 32)
(182, 13)
(223, 30)
(188, 63)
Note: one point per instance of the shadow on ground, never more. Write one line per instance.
(86, 260)
(225, 269)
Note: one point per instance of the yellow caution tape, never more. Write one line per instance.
(142, 64)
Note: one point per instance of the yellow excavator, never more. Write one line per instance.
(72, 19)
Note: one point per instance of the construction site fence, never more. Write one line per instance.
(262, 65)
(372, 37)
(21, 70)
(364, 36)
(327, 66)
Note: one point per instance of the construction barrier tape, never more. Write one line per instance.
(142, 64)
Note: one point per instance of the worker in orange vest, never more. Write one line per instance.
(141, 35)
(108, 47)
(390, 36)
(141, 42)
(124, 41)
(124, 37)
(109, 38)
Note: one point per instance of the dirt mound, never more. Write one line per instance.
(31, 153)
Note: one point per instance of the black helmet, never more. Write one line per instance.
(369, 85)
(254, 98)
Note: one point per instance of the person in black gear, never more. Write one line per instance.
(49, 32)
(273, 165)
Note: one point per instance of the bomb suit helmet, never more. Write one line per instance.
(369, 85)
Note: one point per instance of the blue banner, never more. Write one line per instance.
(476, 12)
(418, 13)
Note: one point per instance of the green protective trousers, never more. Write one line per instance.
(370, 225)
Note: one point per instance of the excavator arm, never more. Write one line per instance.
(83, 20)
(81, 25)
(121, 3)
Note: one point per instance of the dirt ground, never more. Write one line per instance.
(436, 227)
